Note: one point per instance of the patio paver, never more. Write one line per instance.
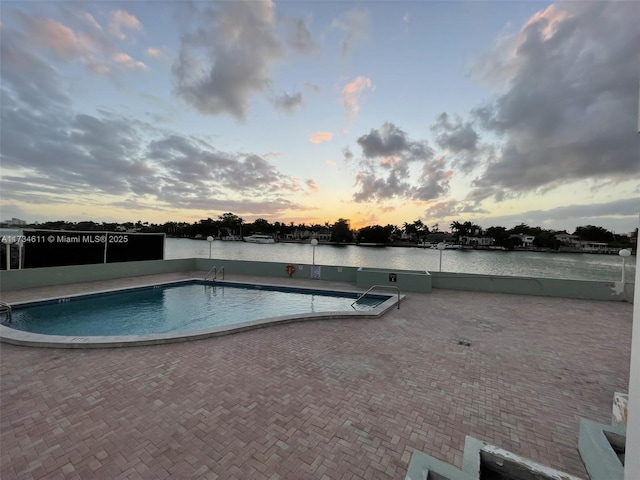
(333, 399)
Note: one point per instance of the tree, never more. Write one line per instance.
(522, 228)
(594, 234)
(499, 234)
(260, 225)
(375, 234)
(341, 231)
(547, 239)
(461, 229)
(230, 222)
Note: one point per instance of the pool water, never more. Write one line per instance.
(178, 308)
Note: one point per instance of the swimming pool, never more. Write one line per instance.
(179, 311)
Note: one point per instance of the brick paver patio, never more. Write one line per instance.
(336, 399)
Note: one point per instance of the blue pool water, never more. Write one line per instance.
(178, 308)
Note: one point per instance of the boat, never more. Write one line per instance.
(257, 238)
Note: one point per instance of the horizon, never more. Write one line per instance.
(381, 113)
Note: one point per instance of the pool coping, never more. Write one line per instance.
(20, 337)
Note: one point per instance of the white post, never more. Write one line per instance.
(624, 253)
(8, 252)
(314, 242)
(210, 240)
(441, 246)
(632, 448)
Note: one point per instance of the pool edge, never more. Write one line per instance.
(12, 336)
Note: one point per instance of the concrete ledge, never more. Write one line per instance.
(425, 467)
(482, 460)
(405, 280)
(598, 456)
(548, 287)
(44, 277)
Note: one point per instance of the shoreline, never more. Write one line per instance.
(415, 245)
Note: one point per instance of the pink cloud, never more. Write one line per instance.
(312, 186)
(320, 137)
(123, 20)
(59, 38)
(126, 61)
(351, 94)
(154, 52)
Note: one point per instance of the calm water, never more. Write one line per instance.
(180, 308)
(581, 266)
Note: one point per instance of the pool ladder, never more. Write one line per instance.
(378, 286)
(5, 313)
(215, 271)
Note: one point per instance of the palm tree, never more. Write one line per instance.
(457, 228)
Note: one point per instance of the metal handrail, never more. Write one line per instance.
(6, 309)
(379, 286)
(209, 273)
(215, 276)
(214, 269)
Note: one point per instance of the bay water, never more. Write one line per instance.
(579, 266)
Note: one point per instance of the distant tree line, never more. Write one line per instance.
(231, 225)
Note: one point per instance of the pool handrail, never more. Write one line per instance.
(379, 286)
(5, 309)
(214, 269)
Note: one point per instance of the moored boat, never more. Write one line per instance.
(257, 238)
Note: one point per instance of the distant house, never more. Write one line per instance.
(525, 240)
(568, 240)
(323, 235)
(411, 236)
(477, 241)
(15, 222)
(594, 247)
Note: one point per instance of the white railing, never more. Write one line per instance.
(378, 286)
(5, 313)
(215, 271)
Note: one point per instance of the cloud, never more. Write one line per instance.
(456, 136)
(312, 186)
(390, 140)
(90, 20)
(288, 103)
(299, 38)
(356, 27)
(312, 86)
(153, 52)
(437, 211)
(320, 137)
(351, 94)
(26, 77)
(56, 37)
(566, 103)
(461, 142)
(125, 61)
(106, 155)
(386, 169)
(121, 20)
(92, 48)
(616, 215)
(228, 58)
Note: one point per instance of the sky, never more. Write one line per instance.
(380, 112)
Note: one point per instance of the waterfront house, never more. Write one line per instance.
(525, 240)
